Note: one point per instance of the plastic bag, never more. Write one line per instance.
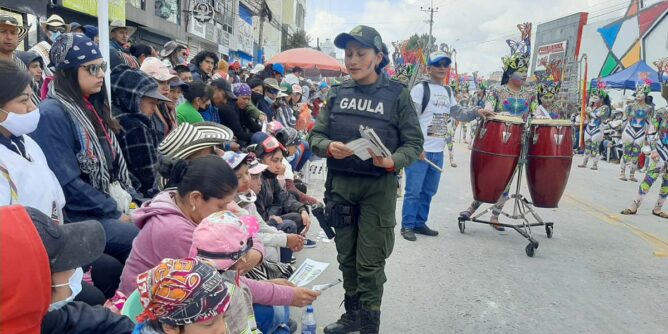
(122, 197)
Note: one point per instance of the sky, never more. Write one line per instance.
(477, 29)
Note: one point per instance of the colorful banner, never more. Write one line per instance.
(550, 53)
(116, 8)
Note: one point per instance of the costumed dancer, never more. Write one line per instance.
(657, 167)
(360, 195)
(638, 115)
(593, 133)
(512, 98)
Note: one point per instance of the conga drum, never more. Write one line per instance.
(496, 151)
(549, 159)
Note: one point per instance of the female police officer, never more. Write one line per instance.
(361, 195)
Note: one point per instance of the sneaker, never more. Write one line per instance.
(293, 260)
(308, 243)
(408, 234)
(425, 231)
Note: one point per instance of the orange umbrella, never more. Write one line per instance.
(309, 59)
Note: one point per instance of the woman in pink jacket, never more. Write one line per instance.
(203, 186)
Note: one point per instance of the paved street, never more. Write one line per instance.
(601, 273)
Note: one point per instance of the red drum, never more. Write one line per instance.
(496, 151)
(549, 160)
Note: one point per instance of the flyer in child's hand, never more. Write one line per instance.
(307, 272)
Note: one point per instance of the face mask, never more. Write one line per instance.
(266, 98)
(256, 97)
(75, 286)
(180, 60)
(54, 35)
(20, 124)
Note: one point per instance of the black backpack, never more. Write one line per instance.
(426, 94)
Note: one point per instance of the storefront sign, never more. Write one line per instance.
(116, 8)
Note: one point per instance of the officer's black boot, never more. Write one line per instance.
(370, 321)
(350, 321)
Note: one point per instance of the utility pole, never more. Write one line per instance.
(431, 10)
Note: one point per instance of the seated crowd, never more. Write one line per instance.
(111, 206)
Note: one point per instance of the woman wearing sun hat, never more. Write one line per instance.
(362, 193)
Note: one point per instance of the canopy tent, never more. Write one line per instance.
(630, 77)
(309, 60)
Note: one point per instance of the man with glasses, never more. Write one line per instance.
(435, 104)
(271, 90)
(52, 29)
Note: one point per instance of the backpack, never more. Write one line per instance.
(426, 94)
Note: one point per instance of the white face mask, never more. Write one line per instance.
(75, 286)
(20, 124)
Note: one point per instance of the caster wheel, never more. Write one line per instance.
(461, 227)
(530, 250)
(549, 229)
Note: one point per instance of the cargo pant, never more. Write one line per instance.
(363, 248)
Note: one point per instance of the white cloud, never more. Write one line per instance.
(477, 28)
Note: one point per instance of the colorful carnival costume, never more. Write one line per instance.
(506, 101)
(634, 135)
(593, 133)
(657, 169)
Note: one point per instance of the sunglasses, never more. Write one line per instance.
(234, 256)
(441, 64)
(94, 69)
(57, 29)
(272, 91)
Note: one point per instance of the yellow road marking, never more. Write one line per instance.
(660, 246)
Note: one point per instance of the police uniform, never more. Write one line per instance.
(360, 197)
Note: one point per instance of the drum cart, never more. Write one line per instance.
(522, 208)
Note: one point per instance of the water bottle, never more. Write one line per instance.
(309, 325)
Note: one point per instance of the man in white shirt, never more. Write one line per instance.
(435, 104)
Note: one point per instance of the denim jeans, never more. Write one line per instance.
(119, 238)
(272, 319)
(421, 185)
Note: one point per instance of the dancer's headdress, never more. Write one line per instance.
(520, 51)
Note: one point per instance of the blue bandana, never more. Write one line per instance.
(72, 50)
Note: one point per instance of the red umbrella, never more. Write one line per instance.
(309, 59)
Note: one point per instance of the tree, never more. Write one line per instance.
(416, 42)
(297, 40)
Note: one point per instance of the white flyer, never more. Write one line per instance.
(307, 272)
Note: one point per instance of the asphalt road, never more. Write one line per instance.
(600, 273)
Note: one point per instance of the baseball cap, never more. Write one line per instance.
(254, 165)
(155, 93)
(288, 136)
(437, 56)
(234, 159)
(257, 69)
(364, 35)
(156, 69)
(69, 246)
(266, 144)
(279, 68)
(223, 238)
(178, 83)
(225, 86)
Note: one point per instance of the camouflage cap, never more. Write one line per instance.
(364, 35)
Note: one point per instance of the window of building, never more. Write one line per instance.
(169, 10)
(139, 4)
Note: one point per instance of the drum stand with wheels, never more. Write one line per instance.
(521, 205)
